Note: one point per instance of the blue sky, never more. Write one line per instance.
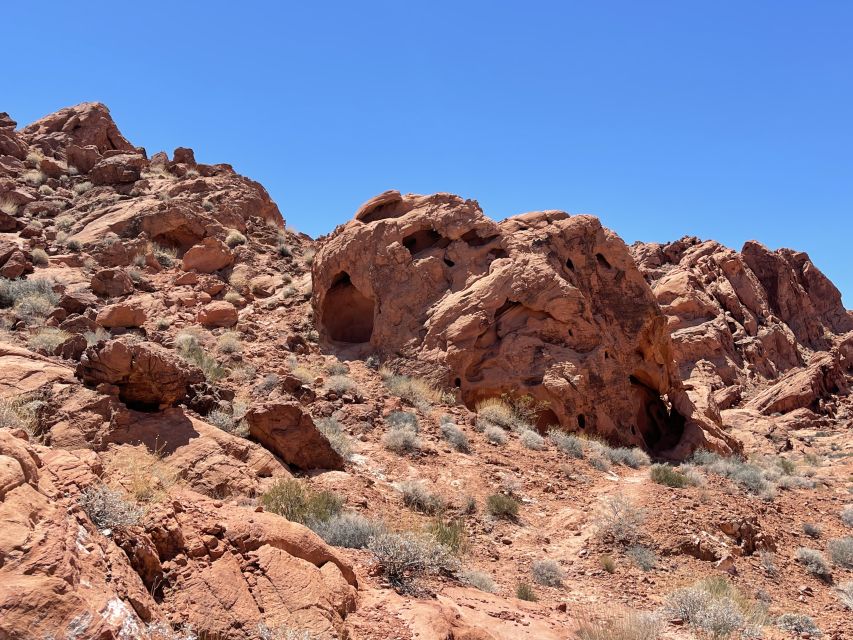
(726, 120)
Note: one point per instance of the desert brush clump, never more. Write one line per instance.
(108, 509)
(98, 335)
(845, 594)
(847, 515)
(415, 392)
(495, 434)
(417, 497)
(455, 436)
(503, 506)
(349, 530)
(341, 385)
(841, 552)
(618, 625)
(21, 412)
(40, 257)
(229, 343)
(478, 579)
(293, 500)
(620, 520)
(402, 436)
(334, 433)
(191, 350)
(569, 444)
(449, 532)
(404, 557)
(643, 557)
(716, 608)
(31, 300)
(814, 562)
(670, 476)
(799, 623)
(548, 573)
(524, 591)
(47, 339)
(165, 256)
(145, 476)
(532, 440)
(234, 238)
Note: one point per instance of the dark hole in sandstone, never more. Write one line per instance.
(581, 421)
(660, 425)
(546, 418)
(424, 239)
(457, 382)
(449, 262)
(472, 239)
(498, 253)
(606, 355)
(602, 261)
(347, 312)
(569, 264)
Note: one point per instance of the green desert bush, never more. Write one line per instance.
(620, 521)
(47, 339)
(799, 623)
(717, 609)
(20, 412)
(451, 533)
(524, 591)
(417, 497)
(234, 238)
(479, 580)
(669, 476)
(298, 503)
(341, 385)
(502, 506)
(643, 557)
(40, 257)
(229, 343)
(348, 530)
(567, 443)
(413, 391)
(191, 350)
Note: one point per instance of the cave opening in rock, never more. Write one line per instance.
(424, 239)
(602, 261)
(347, 313)
(660, 425)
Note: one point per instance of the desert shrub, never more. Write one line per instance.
(298, 503)
(222, 419)
(277, 633)
(716, 608)
(283, 250)
(450, 533)
(162, 324)
(34, 177)
(567, 443)
(524, 591)
(814, 562)
(479, 580)
(40, 258)
(502, 506)
(547, 573)
(845, 594)
(46, 190)
(82, 187)
(145, 477)
(229, 342)
(532, 440)
(620, 521)
(189, 348)
(47, 339)
(417, 497)
(847, 515)
(402, 440)
(798, 623)
(233, 297)
(643, 557)
(599, 462)
(413, 391)
(633, 457)
(748, 476)
(841, 551)
(267, 384)
(402, 420)
(811, 530)
(624, 625)
(74, 246)
(607, 562)
(334, 433)
(341, 385)
(234, 238)
(768, 563)
(336, 368)
(98, 335)
(29, 298)
(469, 505)
(349, 530)
(108, 509)
(165, 256)
(497, 412)
(9, 207)
(404, 557)
(669, 476)
(454, 435)
(20, 412)
(65, 223)
(495, 434)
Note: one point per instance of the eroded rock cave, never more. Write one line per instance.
(347, 314)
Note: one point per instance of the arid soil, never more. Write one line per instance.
(213, 426)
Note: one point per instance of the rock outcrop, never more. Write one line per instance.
(543, 304)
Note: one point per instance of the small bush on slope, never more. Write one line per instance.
(404, 557)
(107, 508)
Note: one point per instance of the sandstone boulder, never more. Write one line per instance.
(112, 283)
(85, 124)
(146, 374)
(543, 304)
(286, 429)
(83, 158)
(121, 315)
(208, 256)
(119, 169)
(10, 143)
(218, 314)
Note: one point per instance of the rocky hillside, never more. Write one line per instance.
(426, 425)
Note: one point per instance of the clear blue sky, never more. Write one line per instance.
(730, 120)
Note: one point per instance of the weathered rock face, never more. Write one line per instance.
(287, 430)
(741, 320)
(542, 304)
(146, 374)
(82, 125)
